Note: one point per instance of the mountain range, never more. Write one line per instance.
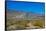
(23, 15)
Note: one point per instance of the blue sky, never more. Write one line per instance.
(35, 7)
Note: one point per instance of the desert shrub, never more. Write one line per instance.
(39, 23)
(21, 24)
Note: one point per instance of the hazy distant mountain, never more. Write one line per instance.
(23, 15)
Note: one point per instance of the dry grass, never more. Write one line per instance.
(23, 23)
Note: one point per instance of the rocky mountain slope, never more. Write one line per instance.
(17, 20)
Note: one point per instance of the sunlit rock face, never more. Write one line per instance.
(20, 16)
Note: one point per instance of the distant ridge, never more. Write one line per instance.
(17, 11)
(23, 15)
